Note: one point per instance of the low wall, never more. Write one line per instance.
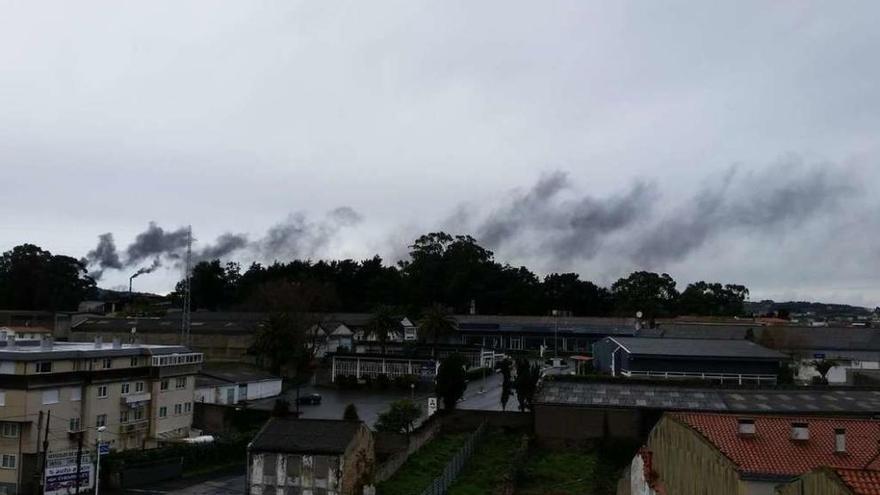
(419, 437)
(470, 419)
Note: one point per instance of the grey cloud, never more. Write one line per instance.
(155, 241)
(225, 245)
(299, 237)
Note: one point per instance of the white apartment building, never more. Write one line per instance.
(141, 394)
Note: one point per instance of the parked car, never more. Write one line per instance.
(309, 400)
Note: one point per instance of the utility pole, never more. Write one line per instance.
(79, 451)
(186, 315)
(98, 462)
(45, 448)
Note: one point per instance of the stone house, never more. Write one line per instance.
(310, 457)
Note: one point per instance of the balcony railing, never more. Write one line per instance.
(134, 426)
(135, 399)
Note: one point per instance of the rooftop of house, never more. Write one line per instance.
(860, 481)
(697, 348)
(25, 328)
(670, 397)
(34, 350)
(238, 375)
(305, 436)
(771, 451)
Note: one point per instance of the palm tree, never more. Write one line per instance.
(436, 323)
(382, 324)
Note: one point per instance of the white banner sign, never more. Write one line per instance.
(61, 472)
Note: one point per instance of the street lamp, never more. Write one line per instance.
(101, 429)
(412, 391)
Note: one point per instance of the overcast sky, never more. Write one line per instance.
(731, 141)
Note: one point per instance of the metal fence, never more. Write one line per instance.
(450, 473)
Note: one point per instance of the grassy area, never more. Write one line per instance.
(425, 465)
(487, 467)
(574, 472)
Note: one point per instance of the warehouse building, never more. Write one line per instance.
(725, 361)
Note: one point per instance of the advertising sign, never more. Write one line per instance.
(61, 472)
(432, 406)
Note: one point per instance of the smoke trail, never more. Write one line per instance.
(104, 256)
(147, 269)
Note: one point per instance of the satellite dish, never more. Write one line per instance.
(638, 314)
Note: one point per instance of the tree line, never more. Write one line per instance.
(456, 272)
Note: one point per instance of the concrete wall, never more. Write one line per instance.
(561, 426)
(263, 389)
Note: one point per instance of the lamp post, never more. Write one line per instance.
(101, 430)
(412, 391)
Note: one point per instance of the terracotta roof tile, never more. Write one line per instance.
(772, 452)
(861, 481)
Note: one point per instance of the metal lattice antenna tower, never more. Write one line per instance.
(186, 316)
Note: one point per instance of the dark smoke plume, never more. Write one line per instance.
(294, 237)
(104, 256)
(766, 203)
(146, 269)
(566, 227)
(155, 241)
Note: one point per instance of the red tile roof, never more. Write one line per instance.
(770, 451)
(861, 481)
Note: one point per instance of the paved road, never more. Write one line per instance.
(220, 485)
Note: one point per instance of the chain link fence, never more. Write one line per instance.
(450, 473)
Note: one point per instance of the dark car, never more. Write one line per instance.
(309, 400)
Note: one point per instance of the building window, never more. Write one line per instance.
(50, 396)
(134, 361)
(139, 413)
(101, 420)
(138, 387)
(180, 382)
(123, 416)
(43, 366)
(108, 363)
(163, 385)
(75, 394)
(102, 391)
(178, 408)
(126, 387)
(74, 424)
(7, 461)
(2, 398)
(9, 430)
(163, 411)
(188, 407)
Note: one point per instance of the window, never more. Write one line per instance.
(75, 394)
(139, 413)
(7, 368)
(163, 385)
(107, 363)
(178, 408)
(163, 411)
(9, 430)
(125, 388)
(7, 461)
(43, 366)
(50, 396)
(74, 425)
(139, 386)
(180, 382)
(101, 420)
(188, 407)
(102, 391)
(134, 361)
(2, 398)
(123, 416)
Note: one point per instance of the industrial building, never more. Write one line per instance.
(737, 361)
